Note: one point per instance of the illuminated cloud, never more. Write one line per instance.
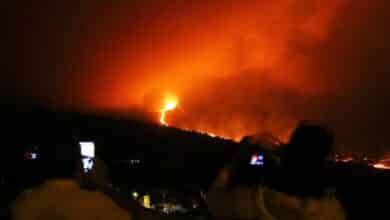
(238, 67)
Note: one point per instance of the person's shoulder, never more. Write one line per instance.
(326, 207)
(97, 195)
(28, 194)
(26, 202)
(329, 207)
(101, 201)
(21, 201)
(281, 199)
(93, 196)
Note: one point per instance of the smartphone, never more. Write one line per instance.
(31, 156)
(257, 160)
(87, 150)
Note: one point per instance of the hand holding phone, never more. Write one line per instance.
(87, 150)
(257, 160)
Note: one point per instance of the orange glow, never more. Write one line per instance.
(211, 134)
(235, 68)
(240, 68)
(170, 104)
(347, 160)
(382, 164)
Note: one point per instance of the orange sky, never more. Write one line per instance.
(186, 49)
(237, 67)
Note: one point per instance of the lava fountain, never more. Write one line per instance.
(170, 104)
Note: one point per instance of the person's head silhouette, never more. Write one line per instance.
(60, 158)
(309, 146)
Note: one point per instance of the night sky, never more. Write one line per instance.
(237, 67)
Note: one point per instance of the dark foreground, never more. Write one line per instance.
(141, 155)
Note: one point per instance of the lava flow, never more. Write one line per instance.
(382, 164)
(170, 104)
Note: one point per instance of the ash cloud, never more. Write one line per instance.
(343, 84)
(237, 67)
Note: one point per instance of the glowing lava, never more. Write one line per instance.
(382, 164)
(170, 104)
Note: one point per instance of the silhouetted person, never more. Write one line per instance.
(299, 189)
(293, 188)
(60, 196)
(233, 192)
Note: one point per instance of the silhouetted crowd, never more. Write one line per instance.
(289, 185)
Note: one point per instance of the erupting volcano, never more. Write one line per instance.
(239, 67)
(170, 104)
